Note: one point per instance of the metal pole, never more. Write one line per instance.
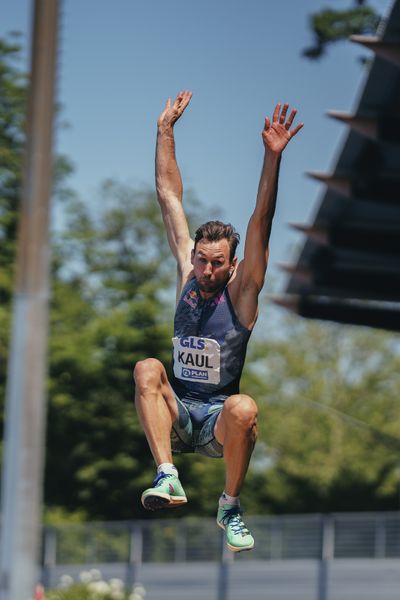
(226, 560)
(25, 396)
(49, 555)
(276, 538)
(135, 554)
(327, 554)
(380, 536)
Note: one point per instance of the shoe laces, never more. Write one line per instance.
(232, 517)
(159, 478)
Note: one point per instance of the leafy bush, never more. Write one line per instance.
(93, 587)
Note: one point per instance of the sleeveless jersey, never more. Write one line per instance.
(209, 345)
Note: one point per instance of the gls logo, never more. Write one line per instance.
(194, 343)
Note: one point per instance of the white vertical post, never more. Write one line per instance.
(327, 554)
(380, 536)
(226, 560)
(26, 379)
(135, 557)
(49, 555)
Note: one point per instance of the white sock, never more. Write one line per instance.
(168, 469)
(227, 499)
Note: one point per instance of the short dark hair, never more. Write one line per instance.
(214, 231)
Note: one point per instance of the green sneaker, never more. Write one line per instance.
(238, 537)
(166, 491)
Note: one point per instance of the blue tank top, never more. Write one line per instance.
(209, 345)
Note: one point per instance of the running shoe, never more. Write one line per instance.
(238, 537)
(167, 491)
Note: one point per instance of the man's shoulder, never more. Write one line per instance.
(184, 281)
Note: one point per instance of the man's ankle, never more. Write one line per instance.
(227, 499)
(168, 469)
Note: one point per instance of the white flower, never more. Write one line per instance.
(99, 587)
(139, 590)
(117, 584)
(96, 574)
(66, 580)
(117, 594)
(85, 576)
(135, 596)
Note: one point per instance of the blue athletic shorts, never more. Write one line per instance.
(193, 431)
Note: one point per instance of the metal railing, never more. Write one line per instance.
(318, 539)
(351, 535)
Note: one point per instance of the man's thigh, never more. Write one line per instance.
(182, 429)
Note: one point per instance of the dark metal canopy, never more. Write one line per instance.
(349, 267)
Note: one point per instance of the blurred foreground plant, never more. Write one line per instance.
(93, 587)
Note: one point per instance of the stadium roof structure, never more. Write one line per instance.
(349, 267)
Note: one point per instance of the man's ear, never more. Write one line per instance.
(234, 264)
(192, 256)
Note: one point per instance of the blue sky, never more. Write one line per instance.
(120, 61)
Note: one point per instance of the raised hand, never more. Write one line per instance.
(172, 112)
(277, 134)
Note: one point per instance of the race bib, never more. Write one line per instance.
(196, 359)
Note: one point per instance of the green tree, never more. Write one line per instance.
(332, 25)
(12, 117)
(329, 418)
(107, 313)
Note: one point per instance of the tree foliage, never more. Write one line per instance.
(332, 25)
(329, 417)
(12, 116)
(107, 313)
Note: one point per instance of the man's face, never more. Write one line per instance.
(211, 265)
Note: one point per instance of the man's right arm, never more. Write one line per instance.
(169, 187)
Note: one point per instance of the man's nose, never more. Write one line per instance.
(208, 269)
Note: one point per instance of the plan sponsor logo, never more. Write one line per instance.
(195, 374)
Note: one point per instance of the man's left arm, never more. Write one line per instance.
(251, 271)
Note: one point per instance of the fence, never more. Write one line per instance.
(133, 545)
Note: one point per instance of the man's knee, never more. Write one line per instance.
(148, 373)
(242, 410)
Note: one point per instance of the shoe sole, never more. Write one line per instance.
(157, 501)
(235, 548)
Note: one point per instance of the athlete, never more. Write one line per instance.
(201, 409)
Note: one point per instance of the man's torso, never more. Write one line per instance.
(209, 345)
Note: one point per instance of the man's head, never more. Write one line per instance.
(213, 257)
(215, 231)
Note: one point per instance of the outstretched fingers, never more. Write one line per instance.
(283, 113)
(289, 123)
(296, 129)
(280, 116)
(182, 100)
(290, 118)
(278, 131)
(275, 117)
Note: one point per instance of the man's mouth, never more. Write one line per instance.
(206, 282)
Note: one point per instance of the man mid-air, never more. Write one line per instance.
(201, 409)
